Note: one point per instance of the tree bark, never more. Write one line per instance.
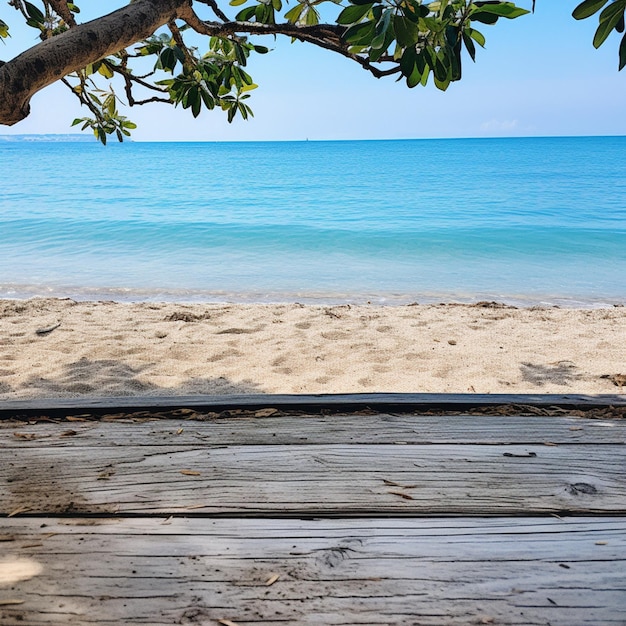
(54, 58)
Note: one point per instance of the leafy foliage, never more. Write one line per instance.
(413, 40)
(611, 19)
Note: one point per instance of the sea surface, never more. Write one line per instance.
(523, 221)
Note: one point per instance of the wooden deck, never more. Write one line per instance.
(278, 512)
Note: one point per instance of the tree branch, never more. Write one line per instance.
(218, 12)
(61, 9)
(72, 50)
(327, 36)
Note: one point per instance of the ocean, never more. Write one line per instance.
(530, 221)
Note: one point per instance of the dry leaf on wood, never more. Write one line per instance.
(405, 496)
(21, 509)
(272, 579)
(190, 473)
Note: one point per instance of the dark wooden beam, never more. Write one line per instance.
(311, 403)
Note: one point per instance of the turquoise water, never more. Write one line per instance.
(532, 220)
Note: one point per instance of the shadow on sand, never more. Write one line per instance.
(114, 378)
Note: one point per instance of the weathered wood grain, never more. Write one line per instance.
(314, 479)
(376, 572)
(380, 401)
(346, 429)
(377, 555)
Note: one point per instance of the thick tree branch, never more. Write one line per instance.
(68, 52)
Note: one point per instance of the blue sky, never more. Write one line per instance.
(539, 75)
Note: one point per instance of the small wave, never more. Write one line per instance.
(183, 296)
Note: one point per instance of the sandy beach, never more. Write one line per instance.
(61, 348)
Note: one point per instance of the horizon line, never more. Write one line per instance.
(87, 138)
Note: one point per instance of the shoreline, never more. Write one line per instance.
(310, 298)
(54, 348)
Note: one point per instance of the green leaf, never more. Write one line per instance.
(245, 14)
(469, 46)
(376, 53)
(196, 102)
(236, 3)
(441, 70)
(207, 98)
(360, 34)
(354, 13)
(101, 135)
(407, 62)
(587, 8)
(609, 19)
(240, 54)
(293, 15)
(484, 18)
(34, 13)
(414, 10)
(414, 78)
(406, 30)
(167, 60)
(442, 84)
(179, 54)
(452, 35)
(4, 29)
(477, 36)
(507, 10)
(312, 17)
(622, 53)
(379, 41)
(109, 105)
(105, 71)
(34, 23)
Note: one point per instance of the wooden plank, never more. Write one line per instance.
(380, 401)
(314, 479)
(336, 572)
(345, 429)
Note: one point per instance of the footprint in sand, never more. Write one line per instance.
(335, 335)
